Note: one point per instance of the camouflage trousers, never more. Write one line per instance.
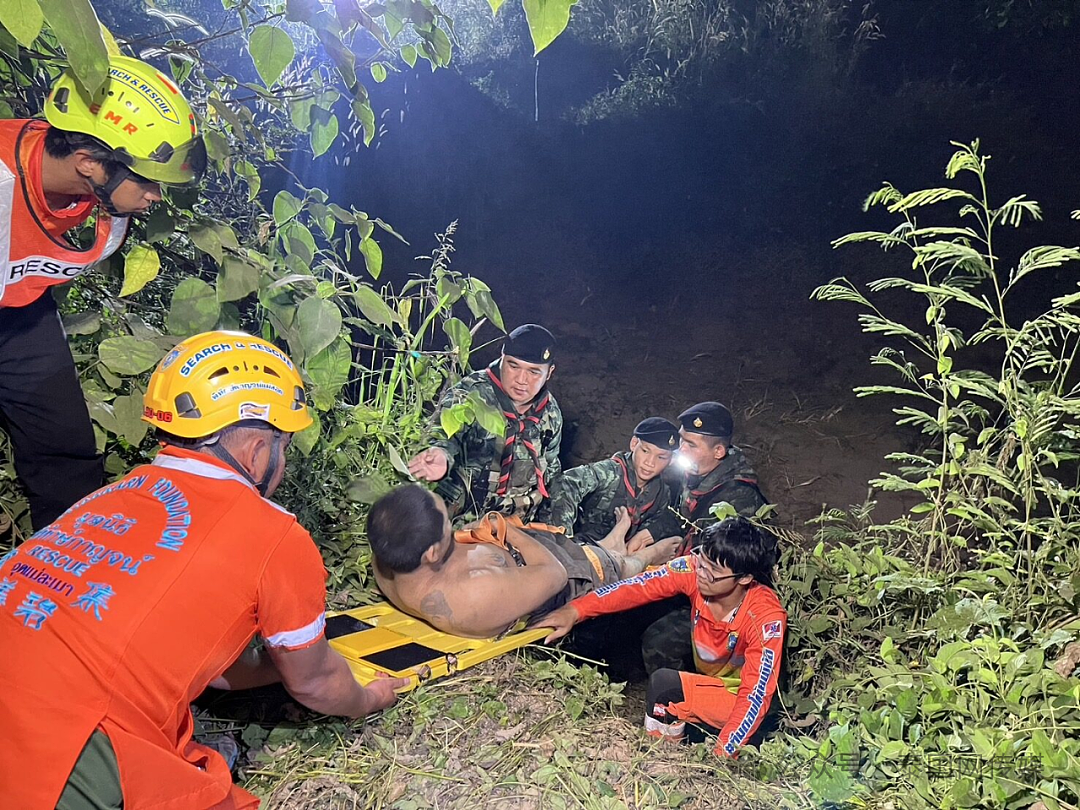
(667, 642)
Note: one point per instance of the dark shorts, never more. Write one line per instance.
(94, 783)
(588, 567)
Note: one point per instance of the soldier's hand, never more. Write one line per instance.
(639, 541)
(560, 621)
(430, 465)
(381, 691)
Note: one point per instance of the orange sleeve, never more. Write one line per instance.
(649, 586)
(292, 593)
(757, 682)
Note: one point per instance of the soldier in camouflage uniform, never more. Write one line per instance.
(584, 499)
(480, 472)
(716, 471)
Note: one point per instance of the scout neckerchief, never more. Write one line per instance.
(516, 425)
(637, 495)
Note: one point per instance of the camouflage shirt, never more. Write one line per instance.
(471, 484)
(733, 480)
(583, 500)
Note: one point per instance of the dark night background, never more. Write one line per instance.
(673, 251)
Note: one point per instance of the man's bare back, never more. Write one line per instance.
(480, 590)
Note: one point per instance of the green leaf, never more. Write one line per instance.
(82, 323)
(128, 411)
(306, 439)
(160, 225)
(366, 116)
(397, 11)
(408, 53)
(482, 304)
(441, 47)
(207, 239)
(300, 113)
(373, 307)
(237, 279)
(318, 322)
(286, 206)
(496, 5)
(272, 51)
(460, 338)
(378, 72)
(217, 145)
(487, 416)
(129, 355)
(76, 26)
(324, 130)
(23, 18)
(373, 257)
(452, 419)
(194, 308)
(367, 488)
(141, 266)
(547, 19)
(329, 372)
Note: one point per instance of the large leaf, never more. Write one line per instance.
(141, 266)
(483, 305)
(329, 371)
(208, 240)
(367, 488)
(547, 19)
(373, 257)
(128, 412)
(23, 18)
(286, 206)
(159, 225)
(373, 307)
(487, 416)
(318, 322)
(129, 355)
(460, 338)
(237, 279)
(194, 308)
(76, 26)
(324, 130)
(82, 323)
(306, 439)
(272, 51)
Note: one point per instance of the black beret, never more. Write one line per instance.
(708, 419)
(661, 432)
(532, 343)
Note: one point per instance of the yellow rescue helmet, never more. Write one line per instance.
(140, 114)
(216, 379)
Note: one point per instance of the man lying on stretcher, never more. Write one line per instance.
(480, 581)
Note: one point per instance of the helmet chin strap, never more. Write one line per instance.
(104, 192)
(263, 485)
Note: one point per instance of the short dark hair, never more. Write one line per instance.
(402, 525)
(743, 547)
(59, 143)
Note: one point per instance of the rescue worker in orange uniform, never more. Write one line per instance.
(103, 156)
(147, 591)
(738, 633)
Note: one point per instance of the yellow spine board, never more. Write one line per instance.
(391, 630)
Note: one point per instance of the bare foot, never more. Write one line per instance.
(660, 552)
(615, 540)
(639, 541)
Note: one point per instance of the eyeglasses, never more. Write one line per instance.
(705, 566)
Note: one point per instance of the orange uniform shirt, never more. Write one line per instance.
(122, 611)
(749, 647)
(34, 254)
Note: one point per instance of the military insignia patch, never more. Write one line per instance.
(772, 630)
(680, 565)
(698, 422)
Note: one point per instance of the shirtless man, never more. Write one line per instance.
(481, 589)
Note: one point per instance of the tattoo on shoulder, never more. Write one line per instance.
(434, 605)
(498, 558)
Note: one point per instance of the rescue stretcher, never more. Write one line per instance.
(380, 638)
